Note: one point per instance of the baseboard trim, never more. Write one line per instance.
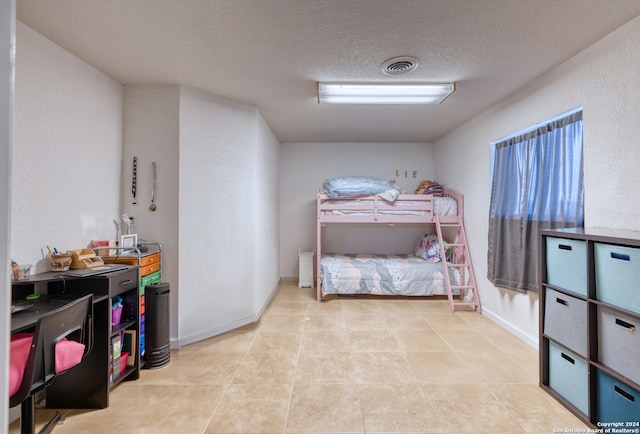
(215, 331)
(533, 341)
(206, 334)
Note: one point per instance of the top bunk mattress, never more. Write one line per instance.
(442, 206)
(348, 198)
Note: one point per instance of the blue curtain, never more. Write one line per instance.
(537, 184)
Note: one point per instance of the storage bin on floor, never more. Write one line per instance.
(569, 376)
(617, 401)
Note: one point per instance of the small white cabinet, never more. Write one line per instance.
(305, 272)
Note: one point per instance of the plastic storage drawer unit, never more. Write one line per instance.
(569, 376)
(565, 320)
(567, 264)
(617, 401)
(619, 342)
(305, 272)
(618, 275)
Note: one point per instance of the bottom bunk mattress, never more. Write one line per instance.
(384, 275)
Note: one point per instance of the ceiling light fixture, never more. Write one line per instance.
(384, 93)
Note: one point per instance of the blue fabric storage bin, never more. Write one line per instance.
(567, 264)
(617, 401)
(569, 376)
(618, 275)
(565, 320)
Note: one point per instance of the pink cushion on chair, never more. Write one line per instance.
(19, 353)
(68, 354)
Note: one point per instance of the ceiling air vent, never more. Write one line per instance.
(399, 65)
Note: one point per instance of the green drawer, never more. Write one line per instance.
(149, 279)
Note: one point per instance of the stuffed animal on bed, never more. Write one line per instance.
(428, 248)
(430, 187)
(423, 185)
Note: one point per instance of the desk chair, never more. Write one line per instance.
(59, 341)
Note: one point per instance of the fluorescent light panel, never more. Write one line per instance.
(384, 93)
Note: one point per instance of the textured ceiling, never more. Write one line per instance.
(271, 53)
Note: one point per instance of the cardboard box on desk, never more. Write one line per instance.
(84, 258)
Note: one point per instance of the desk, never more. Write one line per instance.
(27, 319)
(88, 384)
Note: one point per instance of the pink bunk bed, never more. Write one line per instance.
(404, 275)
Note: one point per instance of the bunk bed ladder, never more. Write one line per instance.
(462, 264)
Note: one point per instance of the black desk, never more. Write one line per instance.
(27, 318)
(88, 384)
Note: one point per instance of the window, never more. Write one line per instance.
(537, 183)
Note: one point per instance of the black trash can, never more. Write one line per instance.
(157, 352)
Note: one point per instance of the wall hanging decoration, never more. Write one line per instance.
(152, 187)
(134, 177)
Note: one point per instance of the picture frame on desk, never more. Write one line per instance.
(129, 241)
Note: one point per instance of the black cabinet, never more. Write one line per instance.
(590, 323)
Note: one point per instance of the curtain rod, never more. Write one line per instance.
(536, 126)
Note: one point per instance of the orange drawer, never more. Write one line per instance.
(148, 269)
(142, 305)
(148, 260)
(123, 260)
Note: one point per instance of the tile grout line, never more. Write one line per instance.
(511, 415)
(226, 388)
(357, 383)
(295, 370)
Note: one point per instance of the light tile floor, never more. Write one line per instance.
(346, 365)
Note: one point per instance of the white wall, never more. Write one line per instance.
(151, 133)
(66, 151)
(266, 214)
(7, 69)
(222, 184)
(603, 79)
(217, 162)
(303, 168)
